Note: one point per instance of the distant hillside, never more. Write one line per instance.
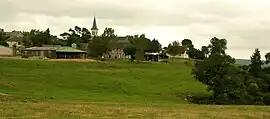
(243, 62)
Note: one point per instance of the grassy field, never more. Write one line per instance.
(116, 89)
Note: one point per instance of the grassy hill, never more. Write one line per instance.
(117, 89)
(114, 81)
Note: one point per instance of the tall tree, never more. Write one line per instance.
(194, 53)
(267, 57)
(154, 46)
(227, 82)
(109, 33)
(3, 38)
(205, 50)
(77, 35)
(141, 43)
(111, 37)
(3, 35)
(175, 43)
(187, 43)
(37, 38)
(218, 46)
(131, 51)
(98, 46)
(256, 64)
(107, 42)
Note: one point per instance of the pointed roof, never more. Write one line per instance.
(94, 27)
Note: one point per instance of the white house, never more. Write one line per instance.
(184, 56)
(14, 42)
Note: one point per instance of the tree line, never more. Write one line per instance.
(231, 83)
(98, 46)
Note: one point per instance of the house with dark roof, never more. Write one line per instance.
(14, 33)
(15, 41)
(15, 38)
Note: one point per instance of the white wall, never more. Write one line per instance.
(14, 43)
(5, 51)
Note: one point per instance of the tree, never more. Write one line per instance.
(141, 43)
(110, 36)
(267, 57)
(3, 35)
(218, 46)
(107, 42)
(175, 43)
(3, 38)
(205, 50)
(154, 46)
(109, 33)
(77, 35)
(37, 38)
(221, 76)
(130, 50)
(186, 42)
(255, 67)
(194, 53)
(98, 46)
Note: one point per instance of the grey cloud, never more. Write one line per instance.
(245, 24)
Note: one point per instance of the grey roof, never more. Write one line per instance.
(94, 27)
(123, 40)
(41, 48)
(57, 49)
(15, 39)
(14, 34)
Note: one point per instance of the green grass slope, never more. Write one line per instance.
(98, 81)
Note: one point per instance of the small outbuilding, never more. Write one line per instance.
(155, 56)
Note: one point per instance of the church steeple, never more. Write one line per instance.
(94, 28)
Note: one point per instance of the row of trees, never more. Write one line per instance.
(103, 44)
(229, 83)
(97, 45)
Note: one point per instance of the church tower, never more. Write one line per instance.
(94, 28)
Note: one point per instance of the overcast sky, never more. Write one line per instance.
(244, 23)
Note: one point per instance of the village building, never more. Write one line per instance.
(118, 52)
(55, 52)
(15, 38)
(15, 42)
(182, 56)
(6, 51)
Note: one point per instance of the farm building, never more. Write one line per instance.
(5, 51)
(155, 56)
(55, 52)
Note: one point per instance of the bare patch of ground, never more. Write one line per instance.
(3, 94)
(73, 60)
(52, 110)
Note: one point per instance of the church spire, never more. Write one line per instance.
(94, 28)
